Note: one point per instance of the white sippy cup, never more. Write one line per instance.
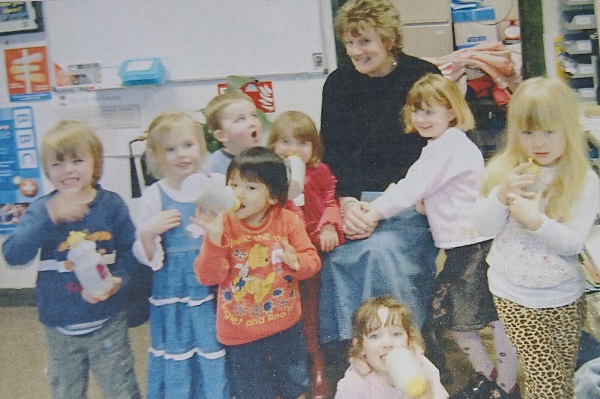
(296, 173)
(92, 273)
(406, 372)
(210, 194)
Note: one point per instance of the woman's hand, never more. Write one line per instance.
(328, 238)
(516, 182)
(212, 223)
(356, 223)
(526, 211)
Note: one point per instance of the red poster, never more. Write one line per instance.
(27, 73)
(260, 92)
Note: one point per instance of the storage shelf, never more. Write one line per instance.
(578, 23)
(577, 2)
(577, 46)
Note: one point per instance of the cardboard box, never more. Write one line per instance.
(428, 40)
(474, 26)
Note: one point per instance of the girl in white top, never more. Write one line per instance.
(446, 179)
(540, 199)
(381, 325)
(185, 361)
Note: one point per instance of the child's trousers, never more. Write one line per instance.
(547, 343)
(105, 351)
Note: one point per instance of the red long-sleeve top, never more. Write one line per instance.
(320, 205)
(258, 294)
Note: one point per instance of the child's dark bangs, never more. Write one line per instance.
(249, 174)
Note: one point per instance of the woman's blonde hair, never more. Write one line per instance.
(302, 128)
(158, 133)
(67, 138)
(544, 104)
(366, 320)
(434, 89)
(380, 15)
(214, 109)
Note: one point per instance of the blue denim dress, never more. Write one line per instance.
(185, 359)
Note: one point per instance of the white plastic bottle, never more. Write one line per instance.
(296, 174)
(406, 372)
(208, 193)
(93, 275)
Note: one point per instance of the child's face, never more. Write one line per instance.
(544, 147)
(431, 121)
(181, 156)
(289, 145)
(73, 174)
(378, 343)
(240, 127)
(254, 199)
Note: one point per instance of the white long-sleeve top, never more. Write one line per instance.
(538, 269)
(446, 176)
(150, 204)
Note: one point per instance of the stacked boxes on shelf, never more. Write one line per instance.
(473, 26)
(576, 58)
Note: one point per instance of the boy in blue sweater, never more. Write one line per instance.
(82, 331)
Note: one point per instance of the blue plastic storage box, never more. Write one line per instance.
(146, 71)
(474, 14)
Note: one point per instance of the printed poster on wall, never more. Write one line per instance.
(261, 93)
(27, 74)
(20, 178)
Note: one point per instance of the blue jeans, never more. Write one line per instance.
(105, 351)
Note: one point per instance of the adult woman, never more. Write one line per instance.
(367, 150)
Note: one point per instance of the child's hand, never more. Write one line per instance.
(117, 282)
(212, 223)
(64, 208)
(328, 238)
(161, 222)
(520, 178)
(356, 225)
(420, 207)
(372, 215)
(526, 211)
(289, 256)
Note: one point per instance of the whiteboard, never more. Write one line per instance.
(195, 39)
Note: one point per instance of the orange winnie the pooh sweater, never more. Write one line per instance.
(258, 294)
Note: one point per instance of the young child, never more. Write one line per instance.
(82, 331)
(233, 119)
(257, 255)
(380, 325)
(446, 177)
(540, 200)
(185, 359)
(294, 133)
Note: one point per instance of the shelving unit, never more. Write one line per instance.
(575, 62)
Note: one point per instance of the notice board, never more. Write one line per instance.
(195, 39)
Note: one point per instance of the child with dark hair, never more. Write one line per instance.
(256, 255)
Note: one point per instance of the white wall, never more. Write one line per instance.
(294, 92)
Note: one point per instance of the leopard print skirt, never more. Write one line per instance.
(547, 343)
